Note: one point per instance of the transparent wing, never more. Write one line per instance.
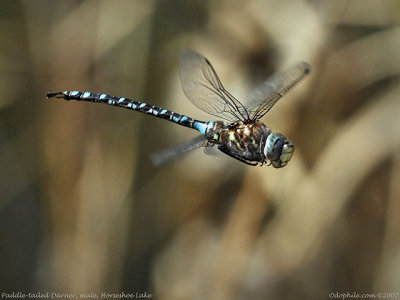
(210, 150)
(161, 158)
(201, 85)
(267, 94)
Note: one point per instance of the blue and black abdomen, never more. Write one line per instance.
(143, 107)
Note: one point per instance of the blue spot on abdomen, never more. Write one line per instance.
(201, 127)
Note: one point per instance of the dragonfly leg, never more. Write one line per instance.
(224, 149)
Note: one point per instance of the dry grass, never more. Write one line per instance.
(83, 210)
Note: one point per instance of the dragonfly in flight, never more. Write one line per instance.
(241, 135)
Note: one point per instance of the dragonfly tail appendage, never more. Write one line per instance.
(55, 95)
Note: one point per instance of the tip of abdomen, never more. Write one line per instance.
(55, 94)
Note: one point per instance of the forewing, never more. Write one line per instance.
(162, 157)
(201, 85)
(267, 94)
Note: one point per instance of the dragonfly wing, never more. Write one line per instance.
(212, 151)
(162, 157)
(267, 94)
(201, 85)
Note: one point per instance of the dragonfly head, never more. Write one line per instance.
(278, 150)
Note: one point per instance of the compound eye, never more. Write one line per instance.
(287, 153)
(276, 151)
(274, 145)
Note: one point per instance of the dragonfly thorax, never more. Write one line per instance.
(243, 141)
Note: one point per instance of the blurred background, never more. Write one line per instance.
(83, 210)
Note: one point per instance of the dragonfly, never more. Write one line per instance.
(240, 135)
